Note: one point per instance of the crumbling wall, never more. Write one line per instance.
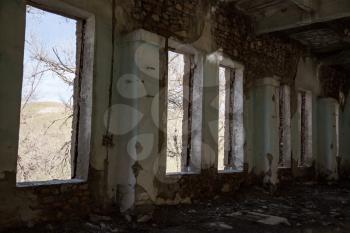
(333, 81)
(263, 56)
(226, 28)
(28, 205)
(187, 188)
(207, 26)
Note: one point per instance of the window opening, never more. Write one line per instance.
(284, 127)
(230, 131)
(50, 97)
(305, 105)
(179, 111)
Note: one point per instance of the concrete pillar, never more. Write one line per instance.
(210, 112)
(264, 135)
(134, 120)
(328, 130)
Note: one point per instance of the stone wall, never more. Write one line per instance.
(230, 31)
(262, 56)
(28, 205)
(181, 19)
(333, 81)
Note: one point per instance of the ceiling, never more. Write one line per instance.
(323, 26)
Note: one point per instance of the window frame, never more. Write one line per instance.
(191, 159)
(285, 152)
(305, 157)
(236, 70)
(82, 90)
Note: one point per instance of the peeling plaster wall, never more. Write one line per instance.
(265, 133)
(210, 112)
(138, 88)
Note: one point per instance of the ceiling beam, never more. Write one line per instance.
(305, 5)
(294, 17)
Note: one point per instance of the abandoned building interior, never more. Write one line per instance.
(175, 116)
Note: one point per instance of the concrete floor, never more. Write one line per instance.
(303, 208)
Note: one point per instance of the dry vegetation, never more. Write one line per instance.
(175, 111)
(45, 137)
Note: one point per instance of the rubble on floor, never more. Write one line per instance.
(298, 208)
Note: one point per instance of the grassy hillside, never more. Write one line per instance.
(44, 148)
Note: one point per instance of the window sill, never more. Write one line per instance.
(230, 171)
(284, 168)
(304, 166)
(49, 183)
(182, 173)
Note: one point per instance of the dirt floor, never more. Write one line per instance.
(298, 208)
